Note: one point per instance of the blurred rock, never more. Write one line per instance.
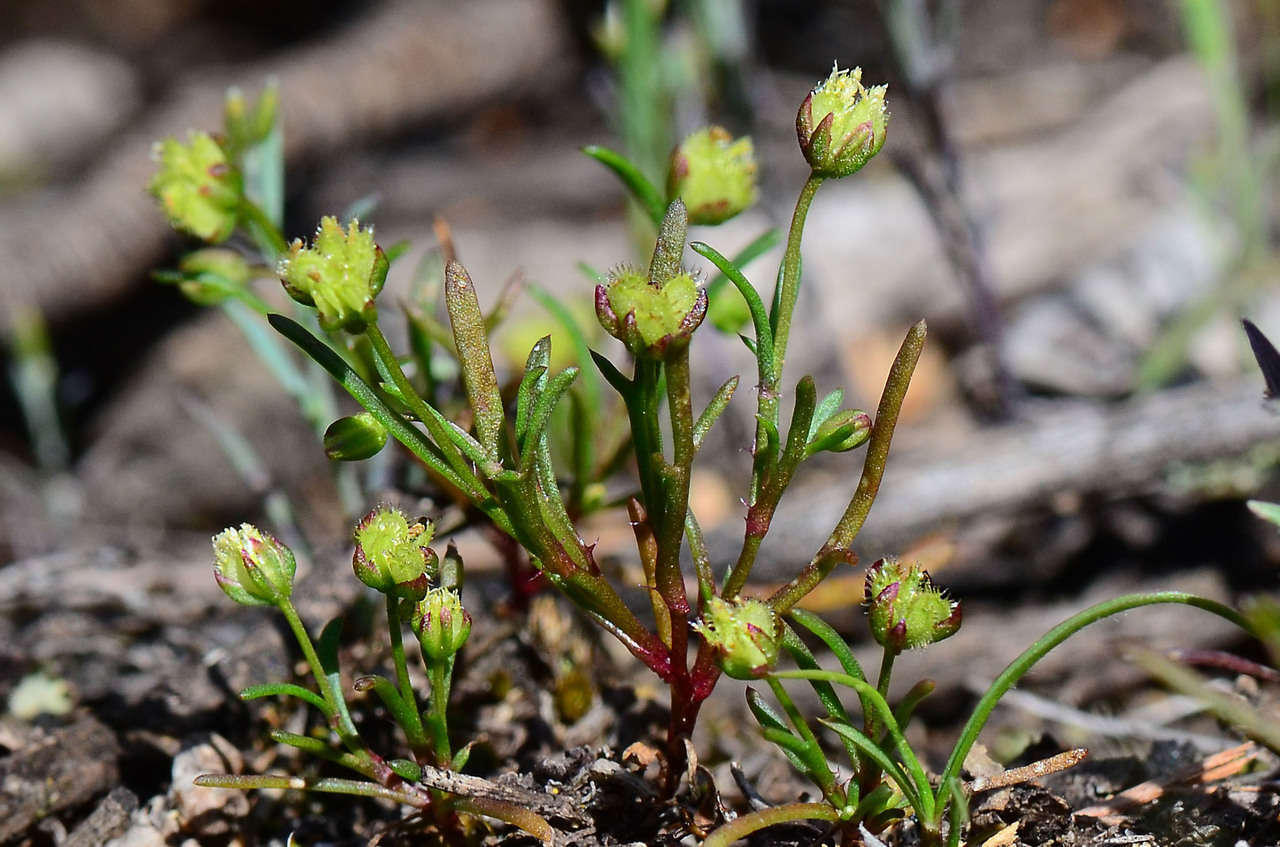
(57, 102)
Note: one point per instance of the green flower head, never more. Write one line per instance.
(744, 633)
(339, 274)
(197, 187)
(252, 567)
(652, 320)
(392, 556)
(904, 608)
(441, 624)
(714, 174)
(842, 124)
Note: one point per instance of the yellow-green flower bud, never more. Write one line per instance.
(209, 276)
(841, 432)
(441, 624)
(744, 633)
(248, 123)
(392, 556)
(354, 438)
(841, 124)
(904, 608)
(339, 274)
(714, 174)
(652, 320)
(199, 190)
(252, 567)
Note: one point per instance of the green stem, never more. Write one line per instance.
(338, 715)
(756, 821)
(788, 290)
(821, 775)
(885, 715)
(471, 483)
(267, 227)
(440, 673)
(882, 688)
(1016, 669)
(670, 533)
(411, 722)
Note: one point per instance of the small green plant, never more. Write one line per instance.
(497, 464)
(904, 611)
(391, 557)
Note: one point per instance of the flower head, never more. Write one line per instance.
(651, 320)
(197, 186)
(441, 624)
(252, 567)
(339, 274)
(392, 555)
(904, 608)
(744, 633)
(714, 174)
(841, 124)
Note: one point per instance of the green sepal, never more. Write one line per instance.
(284, 689)
(644, 191)
(829, 405)
(354, 438)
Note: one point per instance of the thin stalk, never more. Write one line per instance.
(882, 688)
(440, 673)
(742, 827)
(885, 715)
(413, 727)
(788, 288)
(260, 219)
(472, 484)
(1027, 659)
(337, 713)
(671, 529)
(823, 776)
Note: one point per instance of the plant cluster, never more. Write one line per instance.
(486, 449)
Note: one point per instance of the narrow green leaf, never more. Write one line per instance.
(759, 318)
(612, 375)
(578, 338)
(284, 689)
(469, 336)
(327, 653)
(543, 406)
(364, 394)
(645, 192)
(532, 384)
(714, 409)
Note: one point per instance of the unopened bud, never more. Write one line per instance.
(252, 567)
(842, 124)
(353, 438)
(714, 174)
(744, 633)
(904, 609)
(441, 624)
(339, 274)
(199, 190)
(843, 431)
(392, 556)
